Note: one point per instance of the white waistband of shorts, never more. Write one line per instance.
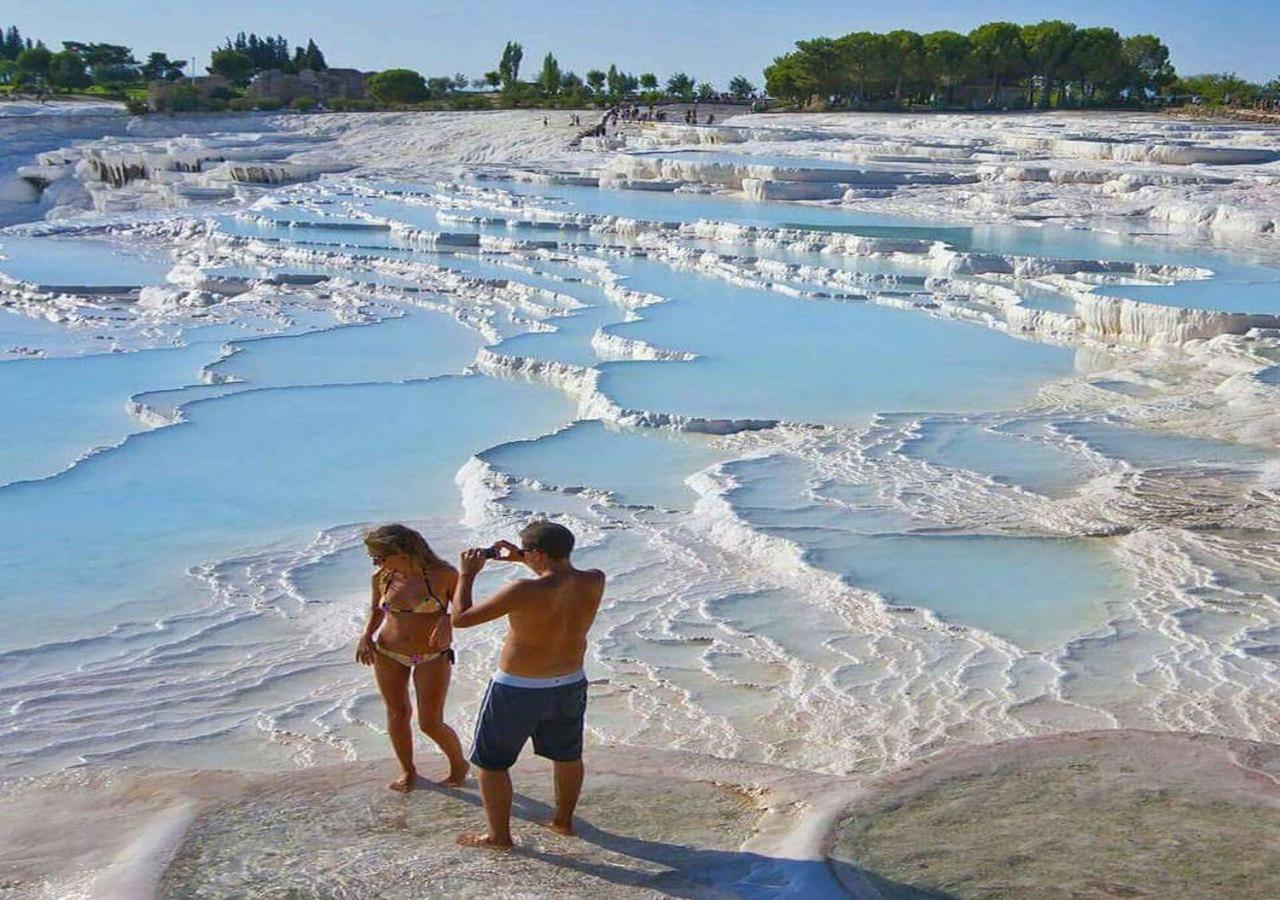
(501, 677)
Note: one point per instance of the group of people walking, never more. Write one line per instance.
(631, 112)
(539, 690)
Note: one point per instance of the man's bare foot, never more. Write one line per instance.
(404, 784)
(565, 828)
(456, 777)
(483, 840)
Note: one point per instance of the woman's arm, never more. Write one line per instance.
(364, 648)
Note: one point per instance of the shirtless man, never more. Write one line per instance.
(540, 689)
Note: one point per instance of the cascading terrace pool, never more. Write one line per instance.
(864, 485)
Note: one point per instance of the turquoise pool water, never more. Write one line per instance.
(639, 468)
(231, 539)
(769, 356)
(60, 262)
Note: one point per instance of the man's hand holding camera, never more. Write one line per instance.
(473, 560)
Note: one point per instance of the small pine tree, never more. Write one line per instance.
(741, 89)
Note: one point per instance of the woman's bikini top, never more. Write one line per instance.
(394, 585)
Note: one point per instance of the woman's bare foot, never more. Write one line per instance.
(404, 784)
(456, 777)
(565, 828)
(483, 840)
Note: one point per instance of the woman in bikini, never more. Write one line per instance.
(411, 590)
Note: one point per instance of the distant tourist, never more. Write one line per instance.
(407, 640)
(540, 688)
(545, 123)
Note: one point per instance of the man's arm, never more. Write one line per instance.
(507, 598)
(461, 611)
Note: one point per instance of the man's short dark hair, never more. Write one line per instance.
(551, 538)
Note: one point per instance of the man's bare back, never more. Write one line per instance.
(547, 630)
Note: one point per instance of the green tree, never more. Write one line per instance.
(397, 86)
(440, 85)
(862, 66)
(947, 61)
(493, 79)
(1050, 45)
(232, 65)
(680, 86)
(34, 62)
(1098, 61)
(595, 80)
(788, 78)
(572, 89)
(825, 61)
(904, 59)
(615, 82)
(741, 89)
(67, 70)
(509, 65)
(649, 81)
(707, 92)
(549, 78)
(1148, 63)
(159, 67)
(1219, 89)
(313, 58)
(108, 63)
(999, 53)
(11, 44)
(185, 98)
(267, 52)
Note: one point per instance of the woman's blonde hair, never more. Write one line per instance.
(390, 540)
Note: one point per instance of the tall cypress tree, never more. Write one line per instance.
(11, 43)
(315, 59)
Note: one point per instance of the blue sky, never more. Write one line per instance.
(710, 39)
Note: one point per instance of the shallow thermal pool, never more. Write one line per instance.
(639, 468)
(55, 262)
(1239, 288)
(764, 355)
